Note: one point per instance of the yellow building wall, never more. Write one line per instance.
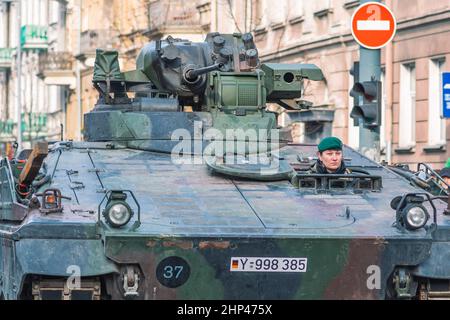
(124, 18)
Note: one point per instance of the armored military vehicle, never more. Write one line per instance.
(424, 177)
(185, 188)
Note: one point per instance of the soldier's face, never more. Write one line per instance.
(331, 159)
(447, 180)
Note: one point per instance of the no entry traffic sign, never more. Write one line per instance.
(373, 25)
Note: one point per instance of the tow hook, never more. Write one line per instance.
(130, 283)
(402, 282)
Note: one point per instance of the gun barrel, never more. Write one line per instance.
(193, 74)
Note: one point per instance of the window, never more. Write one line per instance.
(308, 24)
(54, 98)
(54, 12)
(3, 26)
(13, 26)
(26, 12)
(436, 125)
(43, 13)
(407, 114)
(34, 12)
(279, 15)
(295, 9)
(84, 11)
(260, 13)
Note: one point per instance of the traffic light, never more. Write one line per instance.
(367, 100)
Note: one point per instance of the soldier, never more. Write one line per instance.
(445, 174)
(330, 157)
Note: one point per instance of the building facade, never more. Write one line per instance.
(319, 32)
(59, 50)
(58, 40)
(125, 26)
(41, 37)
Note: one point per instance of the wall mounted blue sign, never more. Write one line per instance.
(446, 94)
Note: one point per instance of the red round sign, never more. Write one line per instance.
(373, 25)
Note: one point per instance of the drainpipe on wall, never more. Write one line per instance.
(7, 44)
(389, 69)
(19, 75)
(78, 72)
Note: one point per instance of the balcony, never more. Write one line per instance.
(34, 125)
(172, 18)
(34, 37)
(6, 130)
(5, 58)
(93, 39)
(56, 68)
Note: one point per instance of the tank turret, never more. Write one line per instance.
(221, 80)
(166, 201)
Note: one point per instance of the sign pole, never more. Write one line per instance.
(369, 70)
(373, 26)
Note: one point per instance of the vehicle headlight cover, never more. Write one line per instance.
(416, 216)
(118, 214)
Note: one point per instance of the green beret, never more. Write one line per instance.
(445, 172)
(330, 143)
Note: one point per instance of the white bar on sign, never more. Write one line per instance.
(373, 25)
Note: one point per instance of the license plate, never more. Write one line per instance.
(268, 264)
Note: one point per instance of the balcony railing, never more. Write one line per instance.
(34, 37)
(55, 61)
(7, 127)
(34, 123)
(5, 58)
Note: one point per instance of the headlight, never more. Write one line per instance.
(118, 214)
(410, 213)
(415, 216)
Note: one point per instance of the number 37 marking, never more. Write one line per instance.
(172, 271)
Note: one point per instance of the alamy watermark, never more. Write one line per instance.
(74, 280)
(374, 279)
(228, 146)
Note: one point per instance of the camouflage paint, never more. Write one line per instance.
(198, 216)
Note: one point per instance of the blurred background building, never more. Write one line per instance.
(59, 39)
